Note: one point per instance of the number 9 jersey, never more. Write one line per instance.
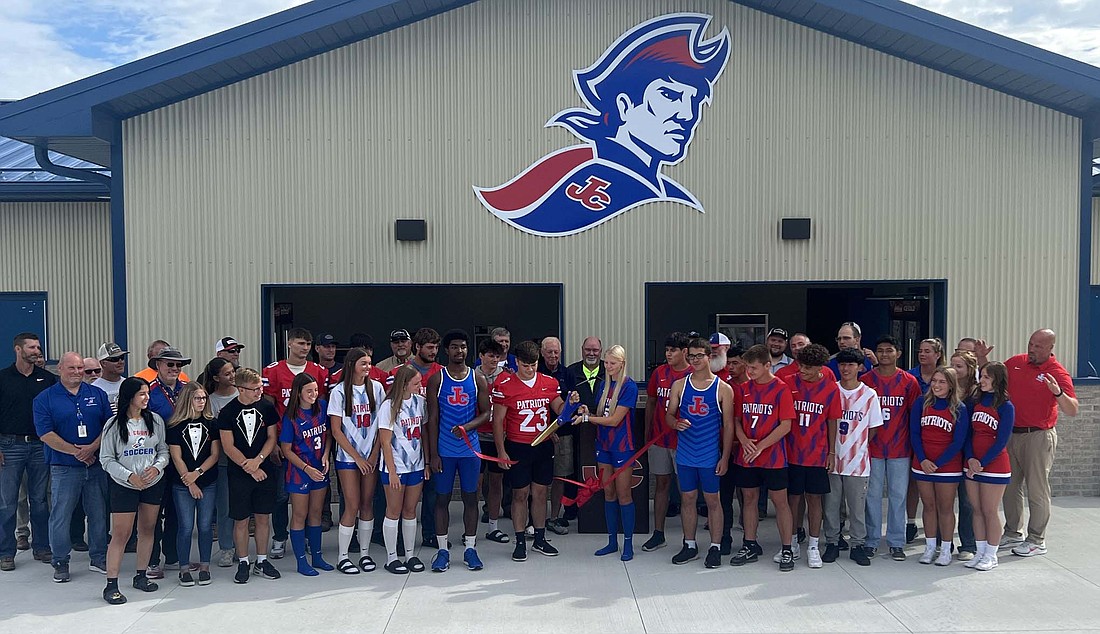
(528, 405)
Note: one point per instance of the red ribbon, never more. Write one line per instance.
(466, 437)
(592, 486)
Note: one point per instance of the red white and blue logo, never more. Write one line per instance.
(644, 97)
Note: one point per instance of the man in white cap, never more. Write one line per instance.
(112, 359)
(719, 346)
(229, 349)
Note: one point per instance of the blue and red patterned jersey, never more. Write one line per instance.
(897, 394)
(659, 388)
(763, 407)
(306, 434)
(815, 403)
(621, 436)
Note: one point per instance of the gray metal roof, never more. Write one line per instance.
(17, 164)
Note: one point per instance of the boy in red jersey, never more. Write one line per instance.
(811, 441)
(767, 410)
(522, 403)
(662, 455)
(898, 393)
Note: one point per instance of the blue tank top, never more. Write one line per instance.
(457, 406)
(700, 444)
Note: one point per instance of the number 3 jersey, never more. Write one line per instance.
(359, 428)
(408, 454)
(528, 405)
(306, 434)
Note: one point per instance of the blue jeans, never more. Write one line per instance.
(23, 457)
(67, 485)
(225, 524)
(966, 522)
(191, 512)
(894, 473)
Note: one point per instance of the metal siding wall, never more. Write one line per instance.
(62, 249)
(296, 177)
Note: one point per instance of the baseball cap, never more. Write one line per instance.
(108, 350)
(719, 339)
(227, 343)
(778, 332)
(325, 339)
(399, 335)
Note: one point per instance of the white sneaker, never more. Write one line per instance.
(944, 558)
(973, 561)
(1010, 542)
(930, 554)
(966, 555)
(278, 549)
(813, 557)
(226, 558)
(1027, 549)
(795, 550)
(988, 562)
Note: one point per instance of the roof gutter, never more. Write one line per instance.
(42, 156)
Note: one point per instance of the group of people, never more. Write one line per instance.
(153, 458)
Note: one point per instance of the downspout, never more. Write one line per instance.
(42, 156)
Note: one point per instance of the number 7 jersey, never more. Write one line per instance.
(528, 411)
(763, 407)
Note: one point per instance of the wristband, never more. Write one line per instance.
(1060, 394)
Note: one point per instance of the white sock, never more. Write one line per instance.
(471, 540)
(982, 546)
(259, 558)
(345, 535)
(492, 525)
(389, 535)
(930, 542)
(408, 533)
(441, 539)
(245, 559)
(813, 542)
(691, 543)
(366, 532)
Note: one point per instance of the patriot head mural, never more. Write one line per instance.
(643, 99)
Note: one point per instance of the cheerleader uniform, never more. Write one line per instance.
(990, 429)
(939, 436)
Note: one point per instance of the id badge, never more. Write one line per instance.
(82, 430)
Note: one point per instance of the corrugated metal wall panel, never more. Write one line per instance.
(64, 250)
(296, 177)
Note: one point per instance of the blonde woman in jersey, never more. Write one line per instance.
(401, 419)
(354, 429)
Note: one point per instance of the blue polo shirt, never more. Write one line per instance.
(159, 400)
(57, 410)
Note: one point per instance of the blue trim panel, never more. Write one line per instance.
(53, 191)
(1084, 282)
(118, 242)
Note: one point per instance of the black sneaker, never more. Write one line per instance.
(186, 579)
(570, 512)
(545, 548)
(558, 526)
(859, 555)
(655, 541)
(266, 570)
(141, 582)
(801, 536)
(897, 554)
(61, 573)
(484, 514)
(871, 552)
(832, 551)
(726, 547)
(749, 554)
(686, 554)
(243, 572)
(714, 558)
(430, 541)
(910, 533)
(786, 560)
(673, 510)
(520, 552)
(841, 544)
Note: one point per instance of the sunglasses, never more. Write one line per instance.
(93, 371)
(173, 365)
(112, 359)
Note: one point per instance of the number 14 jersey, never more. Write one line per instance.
(528, 405)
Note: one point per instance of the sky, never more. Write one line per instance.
(49, 43)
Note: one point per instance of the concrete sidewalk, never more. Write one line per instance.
(577, 592)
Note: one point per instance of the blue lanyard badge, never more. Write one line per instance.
(81, 428)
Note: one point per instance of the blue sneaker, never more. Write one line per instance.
(473, 562)
(442, 561)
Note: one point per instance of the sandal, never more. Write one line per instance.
(397, 568)
(367, 564)
(141, 582)
(113, 596)
(345, 566)
(415, 565)
(498, 536)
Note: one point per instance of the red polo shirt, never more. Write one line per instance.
(1035, 405)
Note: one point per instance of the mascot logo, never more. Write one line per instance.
(643, 99)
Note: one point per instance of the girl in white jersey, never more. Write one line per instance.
(354, 430)
(400, 420)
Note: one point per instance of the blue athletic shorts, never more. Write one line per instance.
(303, 484)
(696, 478)
(346, 466)
(614, 458)
(468, 469)
(409, 479)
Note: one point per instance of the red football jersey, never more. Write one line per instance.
(816, 404)
(528, 407)
(424, 376)
(375, 374)
(791, 369)
(278, 377)
(658, 389)
(898, 394)
(763, 407)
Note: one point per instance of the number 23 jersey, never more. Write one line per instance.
(528, 405)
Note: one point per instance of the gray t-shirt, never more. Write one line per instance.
(217, 402)
(111, 388)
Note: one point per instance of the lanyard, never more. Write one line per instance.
(171, 399)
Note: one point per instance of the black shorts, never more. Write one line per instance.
(126, 500)
(489, 448)
(802, 480)
(533, 464)
(247, 496)
(755, 477)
